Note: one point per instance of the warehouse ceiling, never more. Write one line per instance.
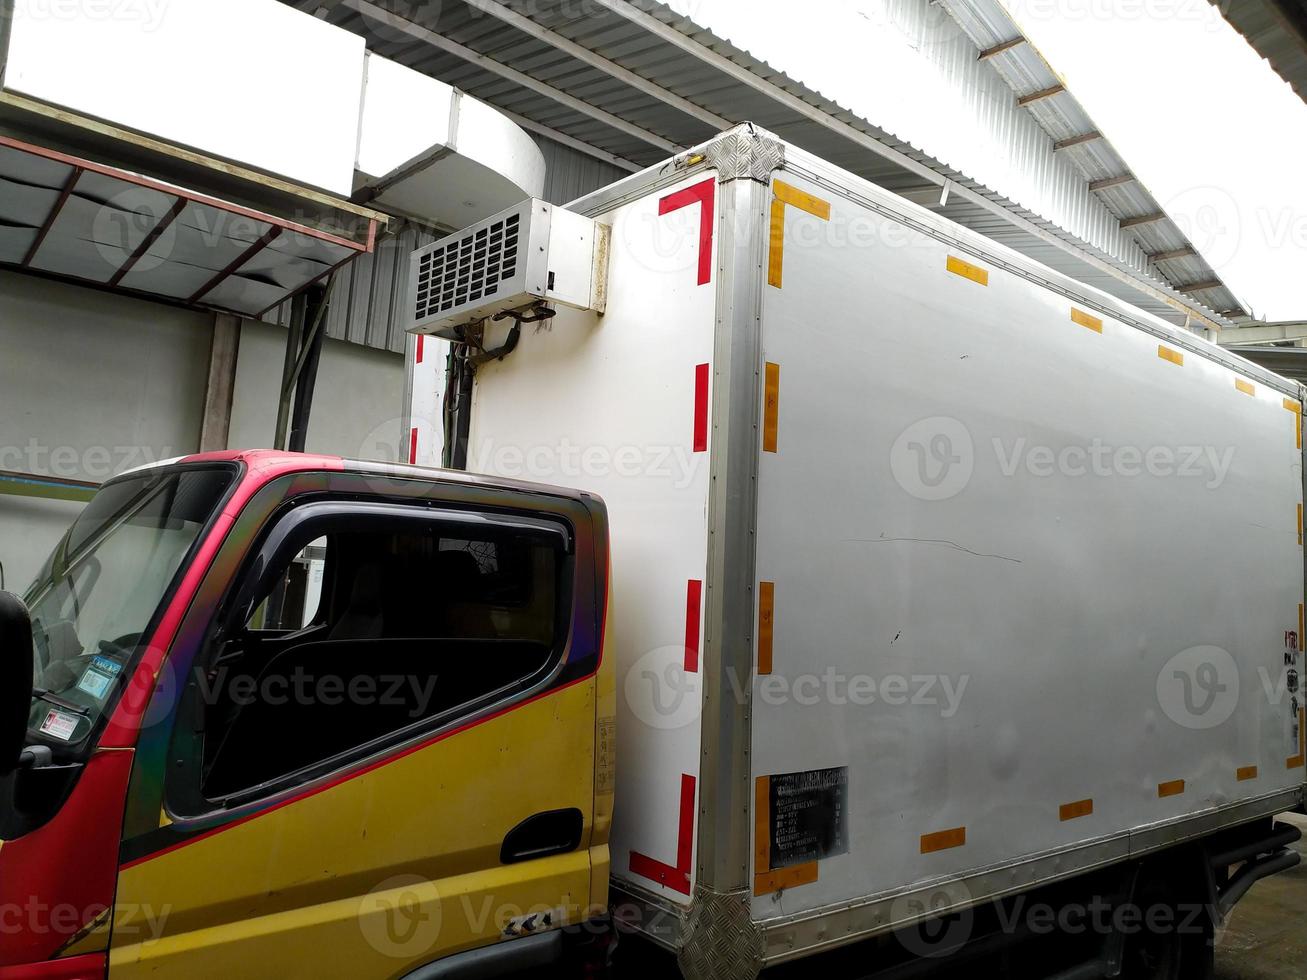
(636, 82)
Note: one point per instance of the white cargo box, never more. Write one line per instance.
(936, 574)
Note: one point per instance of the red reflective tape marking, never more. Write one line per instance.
(413, 445)
(704, 194)
(701, 408)
(693, 596)
(421, 338)
(676, 878)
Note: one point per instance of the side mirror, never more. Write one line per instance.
(15, 679)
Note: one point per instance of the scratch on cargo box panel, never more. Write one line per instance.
(948, 544)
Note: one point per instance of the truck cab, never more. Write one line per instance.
(332, 718)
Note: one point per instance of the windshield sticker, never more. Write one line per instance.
(59, 725)
(110, 667)
(95, 683)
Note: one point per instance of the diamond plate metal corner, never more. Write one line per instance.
(722, 942)
(745, 151)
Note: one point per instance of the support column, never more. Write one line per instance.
(215, 427)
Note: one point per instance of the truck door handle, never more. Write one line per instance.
(543, 834)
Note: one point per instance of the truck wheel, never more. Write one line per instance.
(1182, 951)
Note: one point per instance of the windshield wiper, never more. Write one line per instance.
(58, 702)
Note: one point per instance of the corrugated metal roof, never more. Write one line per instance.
(1063, 118)
(1049, 213)
(1277, 30)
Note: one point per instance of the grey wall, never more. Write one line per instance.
(91, 383)
(356, 406)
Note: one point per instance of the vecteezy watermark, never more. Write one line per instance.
(401, 917)
(663, 694)
(936, 929)
(571, 461)
(304, 688)
(148, 13)
(79, 462)
(1199, 687)
(936, 458)
(933, 459)
(143, 922)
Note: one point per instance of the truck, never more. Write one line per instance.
(810, 583)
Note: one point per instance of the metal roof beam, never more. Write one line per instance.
(1106, 182)
(1077, 140)
(595, 60)
(631, 12)
(50, 218)
(1143, 219)
(1202, 284)
(263, 241)
(1174, 253)
(999, 48)
(431, 38)
(1043, 93)
(160, 226)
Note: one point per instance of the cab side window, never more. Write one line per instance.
(374, 632)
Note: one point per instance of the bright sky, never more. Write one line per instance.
(1211, 130)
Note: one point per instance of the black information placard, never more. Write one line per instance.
(809, 815)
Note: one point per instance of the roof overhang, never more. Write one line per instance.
(638, 83)
(78, 199)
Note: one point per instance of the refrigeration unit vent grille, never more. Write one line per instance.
(469, 268)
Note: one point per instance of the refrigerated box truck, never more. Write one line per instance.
(834, 581)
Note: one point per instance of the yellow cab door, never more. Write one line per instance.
(375, 741)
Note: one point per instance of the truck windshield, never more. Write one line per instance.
(94, 600)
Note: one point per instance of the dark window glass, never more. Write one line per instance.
(371, 632)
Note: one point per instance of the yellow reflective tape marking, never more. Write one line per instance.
(766, 625)
(1071, 811)
(1172, 788)
(1167, 354)
(785, 194)
(1246, 387)
(1296, 408)
(771, 408)
(967, 270)
(1300, 525)
(782, 878)
(1245, 773)
(1085, 320)
(942, 840)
